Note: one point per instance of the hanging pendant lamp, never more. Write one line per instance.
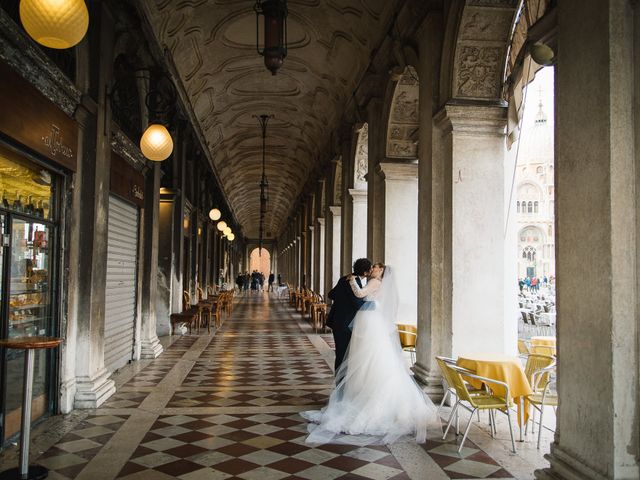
(55, 23)
(215, 214)
(156, 143)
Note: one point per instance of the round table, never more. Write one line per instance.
(543, 345)
(504, 368)
(29, 344)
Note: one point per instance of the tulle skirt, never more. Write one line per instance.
(376, 399)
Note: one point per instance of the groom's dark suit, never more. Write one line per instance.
(343, 310)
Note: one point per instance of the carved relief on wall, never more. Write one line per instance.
(404, 117)
(478, 71)
(362, 158)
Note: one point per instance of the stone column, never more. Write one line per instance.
(311, 238)
(597, 237)
(319, 288)
(359, 235)
(93, 385)
(298, 260)
(375, 207)
(401, 232)
(430, 183)
(336, 273)
(471, 151)
(149, 344)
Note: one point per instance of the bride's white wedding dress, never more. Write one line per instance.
(376, 400)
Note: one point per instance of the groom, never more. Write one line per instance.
(344, 308)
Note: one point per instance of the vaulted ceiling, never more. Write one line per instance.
(213, 46)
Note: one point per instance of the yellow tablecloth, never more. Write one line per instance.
(543, 345)
(504, 368)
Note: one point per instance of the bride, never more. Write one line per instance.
(376, 400)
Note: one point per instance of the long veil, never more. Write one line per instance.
(375, 399)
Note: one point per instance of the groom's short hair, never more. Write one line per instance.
(361, 266)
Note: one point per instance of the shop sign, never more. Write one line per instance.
(34, 121)
(126, 181)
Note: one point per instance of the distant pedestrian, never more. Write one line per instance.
(279, 279)
(272, 277)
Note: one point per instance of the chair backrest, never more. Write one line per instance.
(200, 294)
(186, 300)
(536, 362)
(455, 381)
(524, 317)
(408, 335)
(523, 349)
(532, 319)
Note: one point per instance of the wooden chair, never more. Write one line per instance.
(188, 316)
(318, 313)
(207, 306)
(194, 306)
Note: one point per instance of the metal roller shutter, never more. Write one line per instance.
(120, 302)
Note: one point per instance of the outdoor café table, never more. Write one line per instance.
(543, 345)
(29, 345)
(506, 369)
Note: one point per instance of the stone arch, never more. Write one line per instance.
(361, 158)
(481, 35)
(525, 191)
(404, 117)
(260, 260)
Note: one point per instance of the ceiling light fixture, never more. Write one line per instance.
(274, 49)
(264, 185)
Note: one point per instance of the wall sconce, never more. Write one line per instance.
(214, 214)
(542, 54)
(274, 49)
(156, 143)
(221, 225)
(55, 23)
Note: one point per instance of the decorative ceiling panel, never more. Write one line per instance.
(213, 47)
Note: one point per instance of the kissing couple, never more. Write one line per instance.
(376, 399)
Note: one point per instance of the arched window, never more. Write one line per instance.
(535, 207)
(518, 207)
(530, 207)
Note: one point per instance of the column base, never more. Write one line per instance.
(67, 395)
(92, 392)
(431, 384)
(151, 348)
(565, 467)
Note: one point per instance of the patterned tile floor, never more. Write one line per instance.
(225, 406)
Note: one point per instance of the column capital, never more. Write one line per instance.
(311, 228)
(321, 221)
(336, 210)
(472, 119)
(391, 170)
(358, 195)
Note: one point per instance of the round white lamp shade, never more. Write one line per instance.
(221, 226)
(231, 237)
(227, 231)
(215, 214)
(156, 143)
(55, 23)
(542, 54)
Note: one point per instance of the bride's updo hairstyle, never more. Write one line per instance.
(382, 266)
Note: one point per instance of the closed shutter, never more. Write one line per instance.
(120, 307)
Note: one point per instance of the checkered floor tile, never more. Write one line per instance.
(260, 361)
(72, 453)
(251, 446)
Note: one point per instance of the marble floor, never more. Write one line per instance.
(225, 406)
